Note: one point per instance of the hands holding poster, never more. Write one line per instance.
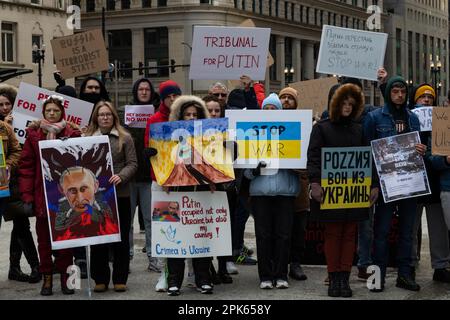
(190, 224)
(400, 167)
(81, 203)
(280, 138)
(441, 132)
(28, 107)
(351, 52)
(136, 116)
(191, 152)
(229, 52)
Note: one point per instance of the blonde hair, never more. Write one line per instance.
(93, 125)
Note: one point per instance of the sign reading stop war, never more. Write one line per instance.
(80, 54)
(425, 115)
(346, 177)
(229, 52)
(351, 52)
(28, 107)
(440, 142)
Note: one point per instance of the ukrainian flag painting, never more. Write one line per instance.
(4, 182)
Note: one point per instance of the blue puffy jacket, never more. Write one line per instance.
(283, 183)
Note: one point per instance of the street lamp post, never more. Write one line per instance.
(38, 55)
(288, 74)
(435, 69)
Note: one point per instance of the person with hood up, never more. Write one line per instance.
(93, 90)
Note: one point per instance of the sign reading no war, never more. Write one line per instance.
(229, 52)
(351, 52)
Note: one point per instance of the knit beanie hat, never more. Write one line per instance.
(236, 99)
(169, 87)
(273, 100)
(425, 89)
(290, 91)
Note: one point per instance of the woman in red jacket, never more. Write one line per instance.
(52, 126)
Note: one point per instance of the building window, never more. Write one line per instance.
(120, 49)
(270, 7)
(146, 3)
(292, 11)
(111, 5)
(277, 4)
(260, 6)
(36, 40)
(8, 42)
(205, 2)
(243, 4)
(156, 50)
(288, 52)
(125, 4)
(162, 3)
(285, 10)
(38, 2)
(301, 14)
(60, 4)
(398, 51)
(254, 6)
(273, 51)
(410, 56)
(90, 5)
(76, 3)
(418, 69)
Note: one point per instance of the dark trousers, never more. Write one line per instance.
(201, 266)
(242, 215)
(298, 236)
(121, 251)
(273, 224)
(22, 241)
(63, 257)
(340, 245)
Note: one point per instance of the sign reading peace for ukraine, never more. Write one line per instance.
(280, 138)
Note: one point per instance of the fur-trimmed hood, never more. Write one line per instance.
(344, 91)
(182, 102)
(9, 91)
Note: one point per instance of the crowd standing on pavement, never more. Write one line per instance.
(281, 203)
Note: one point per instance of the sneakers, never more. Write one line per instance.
(362, 273)
(225, 277)
(205, 289)
(190, 280)
(247, 251)
(266, 285)
(282, 284)
(245, 260)
(173, 291)
(441, 275)
(407, 283)
(161, 285)
(155, 265)
(296, 272)
(231, 268)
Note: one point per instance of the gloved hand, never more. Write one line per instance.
(232, 145)
(316, 192)
(257, 171)
(149, 152)
(374, 195)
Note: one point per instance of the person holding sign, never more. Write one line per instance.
(339, 130)
(31, 186)
(394, 119)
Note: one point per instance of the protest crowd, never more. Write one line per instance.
(281, 200)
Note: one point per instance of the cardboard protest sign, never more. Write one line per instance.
(351, 52)
(28, 107)
(229, 52)
(440, 141)
(314, 93)
(136, 116)
(4, 180)
(278, 137)
(400, 167)
(425, 115)
(81, 203)
(190, 224)
(80, 54)
(346, 177)
(191, 152)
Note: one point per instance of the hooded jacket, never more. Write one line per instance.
(335, 132)
(103, 95)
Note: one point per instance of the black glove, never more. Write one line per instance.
(257, 171)
(149, 152)
(233, 146)
(58, 78)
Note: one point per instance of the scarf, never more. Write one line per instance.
(52, 128)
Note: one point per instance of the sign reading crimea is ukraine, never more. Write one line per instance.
(229, 52)
(280, 138)
(351, 52)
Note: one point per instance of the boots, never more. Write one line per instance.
(30, 253)
(47, 285)
(64, 288)
(35, 275)
(346, 291)
(15, 273)
(334, 289)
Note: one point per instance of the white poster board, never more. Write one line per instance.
(280, 138)
(190, 224)
(136, 116)
(351, 52)
(229, 52)
(28, 107)
(425, 115)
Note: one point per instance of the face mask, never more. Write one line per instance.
(91, 97)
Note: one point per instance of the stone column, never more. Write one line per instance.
(296, 59)
(308, 58)
(280, 60)
(138, 55)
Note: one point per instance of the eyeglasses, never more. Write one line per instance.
(105, 115)
(220, 94)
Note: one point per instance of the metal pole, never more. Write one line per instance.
(116, 83)
(39, 70)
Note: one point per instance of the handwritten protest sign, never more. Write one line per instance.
(351, 52)
(74, 169)
(28, 107)
(4, 174)
(314, 93)
(136, 116)
(400, 167)
(229, 52)
(425, 115)
(80, 54)
(278, 137)
(191, 152)
(190, 224)
(346, 177)
(441, 132)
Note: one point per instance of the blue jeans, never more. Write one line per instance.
(382, 224)
(365, 240)
(141, 195)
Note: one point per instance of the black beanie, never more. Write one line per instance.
(236, 99)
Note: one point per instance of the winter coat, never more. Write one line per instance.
(124, 161)
(283, 183)
(441, 169)
(11, 146)
(31, 185)
(334, 132)
(302, 200)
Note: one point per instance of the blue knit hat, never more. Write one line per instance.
(273, 100)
